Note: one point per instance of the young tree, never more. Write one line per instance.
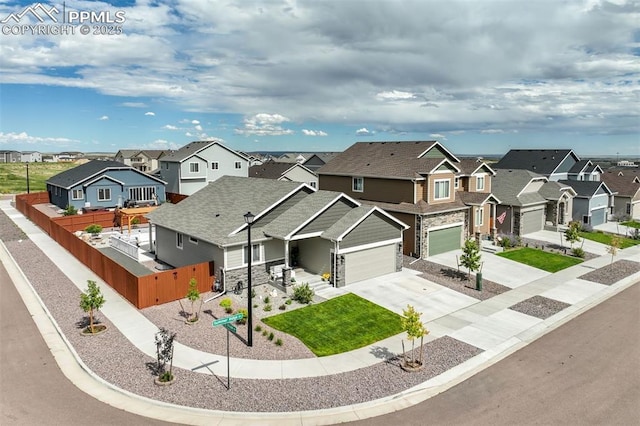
(193, 295)
(91, 300)
(470, 258)
(413, 326)
(614, 246)
(164, 350)
(572, 233)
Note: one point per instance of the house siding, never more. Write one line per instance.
(298, 174)
(375, 189)
(315, 255)
(374, 228)
(409, 235)
(166, 249)
(431, 188)
(327, 218)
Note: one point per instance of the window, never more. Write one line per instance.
(479, 216)
(194, 168)
(456, 183)
(142, 193)
(77, 194)
(193, 240)
(255, 249)
(313, 184)
(104, 194)
(441, 189)
(628, 209)
(358, 184)
(214, 165)
(480, 183)
(178, 240)
(238, 165)
(585, 220)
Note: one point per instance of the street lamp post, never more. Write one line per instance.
(248, 218)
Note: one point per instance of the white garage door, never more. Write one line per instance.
(370, 263)
(532, 221)
(598, 217)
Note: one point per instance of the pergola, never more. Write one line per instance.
(126, 216)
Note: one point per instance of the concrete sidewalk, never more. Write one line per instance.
(488, 324)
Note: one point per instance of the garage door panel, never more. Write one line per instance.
(532, 221)
(444, 240)
(370, 263)
(598, 217)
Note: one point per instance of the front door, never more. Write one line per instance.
(561, 214)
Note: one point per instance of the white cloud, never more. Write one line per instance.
(104, 118)
(161, 144)
(195, 122)
(363, 132)
(394, 95)
(149, 113)
(313, 132)
(438, 136)
(264, 125)
(24, 138)
(198, 128)
(133, 104)
(169, 127)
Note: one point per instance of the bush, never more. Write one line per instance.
(265, 332)
(282, 307)
(506, 242)
(278, 342)
(577, 252)
(288, 301)
(226, 304)
(258, 328)
(271, 336)
(70, 211)
(267, 307)
(253, 293)
(303, 293)
(267, 300)
(93, 229)
(245, 314)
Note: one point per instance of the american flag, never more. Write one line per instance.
(502, 217)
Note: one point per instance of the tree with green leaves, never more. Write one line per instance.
(91, 300)
(572, 233)
(193, 295)
(470, 258)
(415, 329)
(614, 245)
(164, 350)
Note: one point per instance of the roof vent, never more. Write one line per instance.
(391, 153)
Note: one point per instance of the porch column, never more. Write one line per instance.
(286, 254)
(494, 229)
(151, 243)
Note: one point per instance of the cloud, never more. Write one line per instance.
(104, 118)
(133, 104)
(395, 95)
(264, 125)
(24, 138)
(195, 122)
(169, 127)
(313, 132)
(149, 113)
(198, 128)
(364, 132)
(438, 136)
(161, 144)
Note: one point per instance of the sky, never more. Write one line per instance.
(481, 77)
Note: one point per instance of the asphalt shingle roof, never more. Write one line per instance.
(623, 185)
(552, 190)
(507, 184)
(77, 174)
(269, 170)
(584, 188)
(543, 161)
(345, 222)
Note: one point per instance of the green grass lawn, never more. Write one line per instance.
(601, 237)
(338, 325)
(631, 224)
(13, 176)
(547, 261)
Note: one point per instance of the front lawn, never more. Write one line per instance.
(601, 237)
(547, 261)
(338, 325)
(631, 224)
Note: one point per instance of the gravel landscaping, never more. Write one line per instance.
(539, 307)
(453, 279)
(111, 356)
(612, 273)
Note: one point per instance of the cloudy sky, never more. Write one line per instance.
(480, 76)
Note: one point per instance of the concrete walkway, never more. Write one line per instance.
(488, 324)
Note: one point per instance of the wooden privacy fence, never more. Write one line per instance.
(142, 291)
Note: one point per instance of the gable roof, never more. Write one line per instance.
(624, 183)
(89, 170)
(469, 166)
(274, 170)
(193, 148)
(127, 153)
(552, 190)
(542, 161)
(507, 186)
(394, 160)
(586, 188)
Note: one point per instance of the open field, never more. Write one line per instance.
(13, 176)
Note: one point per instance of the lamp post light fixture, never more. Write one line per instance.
(248, 218)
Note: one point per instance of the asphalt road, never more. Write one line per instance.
(584, 372)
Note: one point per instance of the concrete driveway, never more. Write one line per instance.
(554, 237)
(396, 291)
(495, 268)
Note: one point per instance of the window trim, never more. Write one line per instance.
(215, 165)
(479, 219)
(73, 197)
(456, 182)
(480, 178)
(255, 246)
(313, 184)
(179, 240)
(435, 190)
(238, 165)
(355, 179)
(197, 167)
(103, 198)
(193, 240)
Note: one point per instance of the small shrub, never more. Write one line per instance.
(278, 342)
(258, 328)
(226, 304)
(293, 280)
(577, 252)
(303, 293)
(93, 229)
(245, 314)
(255, 305)
(267, 300)
(253, 293)
(70, 211)
(288, 301)
(282, 307)
(135, 221)
(267, 308)
(325, 276)
(271, 336)
(265, 332)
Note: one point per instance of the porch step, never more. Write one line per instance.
(491, 248)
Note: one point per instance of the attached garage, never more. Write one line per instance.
(599, 216)
(532, 221)
(444, 240)
(369, 263)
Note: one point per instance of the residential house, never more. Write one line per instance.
(104, 184)
(443, 198)
(529, 201)
(68, 156)
(592, 201)
(293, 172)
(316, 160)
(626, 187)
(294, 226)
(193, 166)
(30, 157)
(10, 156)
(146, 160)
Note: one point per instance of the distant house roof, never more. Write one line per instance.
(508, 187)
(89, 170)
(127, 153)
(542, 161)
(193, 148)
(625, 183)
(553, 190)
(586, 188)
(269, 170)
(469, 166)
(395, 160)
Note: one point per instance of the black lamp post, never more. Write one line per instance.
(248, 218)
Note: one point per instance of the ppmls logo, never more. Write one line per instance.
(38, 10)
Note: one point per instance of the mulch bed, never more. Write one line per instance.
(451, 278)
(539, 307)
(612, 273)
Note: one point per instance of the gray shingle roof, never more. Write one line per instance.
(469, 165)
(80, 173)
(584, 188)
(543, 161)
(269, 170)
(397, 160)
(552, 190)
(623, 185)
(191, 148)
(507, 184)
(577, 168)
